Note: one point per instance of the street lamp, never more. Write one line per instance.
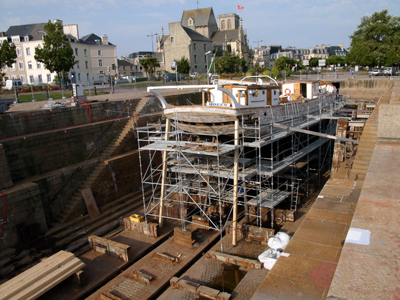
(152, 47)
(208, 52)
(258, 43)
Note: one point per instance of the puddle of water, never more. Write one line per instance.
(228, 280)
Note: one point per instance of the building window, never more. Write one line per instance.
(85, 52)
(87, 76)
(194, 47)
(79, 76)
(28, 51)
(31, 80)
(23, 78)
(100, 63)
(195, 67)
(223, 25)
(29, 65)
(101, 72)
(21, 65)
(15, 39)
(229, 24)
(48, 77)
(77, 64)
(40, 78)
(13, 67)
(205, 58)
(86, 64)
(26, 38)
(19, 51)
(76, 51)
(38, 65)
(205, 47)
(195, 58)
(99, 52)
(172, 39)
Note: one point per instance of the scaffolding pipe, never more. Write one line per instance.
(235, 183)
(164, 175)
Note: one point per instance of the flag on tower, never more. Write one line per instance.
(240, 7)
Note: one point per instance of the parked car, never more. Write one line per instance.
(98, 82)
(398, 73)
(172, 77)
(121, 81)
(390, 71)
(375, 72)
(194, 74)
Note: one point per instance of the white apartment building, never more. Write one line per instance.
(27, 38)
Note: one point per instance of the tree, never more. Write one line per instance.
(335, 60)
(229, 64)
(8, 56)
(183, 65)
(376, 42)
(57, 54)
(313, 62)
(285, 62)
(150, 64)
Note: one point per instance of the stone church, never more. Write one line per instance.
(198, 33)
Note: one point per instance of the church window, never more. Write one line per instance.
(223, 25)
(229, 24)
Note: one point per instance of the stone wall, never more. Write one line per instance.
(367, 87)
(39, 153)
(15, 124)
(25, 219)
(5, 177)
(51, 184)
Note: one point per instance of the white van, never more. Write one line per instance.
(13, 83)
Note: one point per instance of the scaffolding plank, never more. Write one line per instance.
(280, 133)
(191, 148)
(269, 198)
(268, 170)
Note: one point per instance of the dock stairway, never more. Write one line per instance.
(77, 199)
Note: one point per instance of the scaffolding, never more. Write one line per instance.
(217, 180)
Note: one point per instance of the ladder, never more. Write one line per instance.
(295, 196)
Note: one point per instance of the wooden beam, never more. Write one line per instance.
(235, 184)
(164, 175)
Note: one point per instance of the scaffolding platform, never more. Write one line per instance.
(270, 198)
(203, 148)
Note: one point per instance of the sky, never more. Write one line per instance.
(129, 23)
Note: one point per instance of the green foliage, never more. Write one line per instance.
(8, 56)
(56, 54)
(335, 60)
(229, 64)
(249, 72)
(183, 65)
(150, 64)
(376, 42)
(266, 72)
(274, 72)
(314, 61)
(285, 62)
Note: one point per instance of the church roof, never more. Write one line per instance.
(231, 36)
(200, 16)
(195, 36)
